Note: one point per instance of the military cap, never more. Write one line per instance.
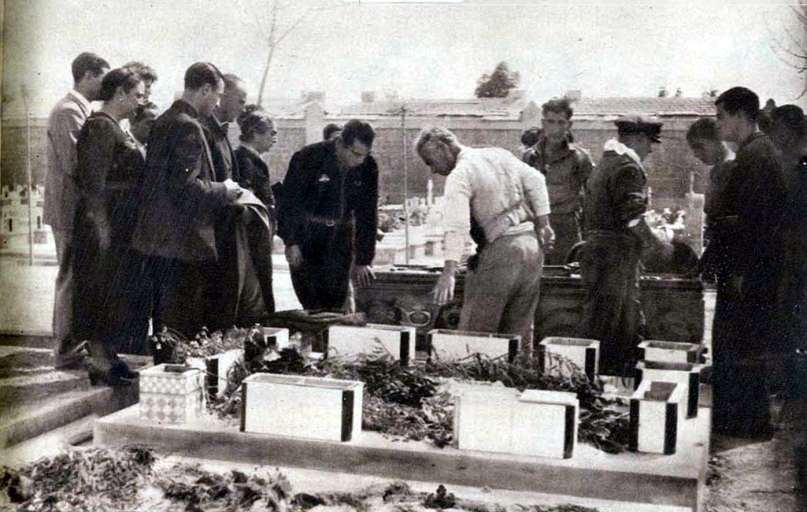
(645, 125)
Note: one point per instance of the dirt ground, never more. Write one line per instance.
(762, 476)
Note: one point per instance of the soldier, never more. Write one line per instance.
(328, 216)
(616, 201)
(566, 167)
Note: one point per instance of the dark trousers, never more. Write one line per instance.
(180, 292)
(66, 348)
(321, 281)
(609, 265)
(130, 303)
(567, 233)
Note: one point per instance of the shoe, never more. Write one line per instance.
(113, 373)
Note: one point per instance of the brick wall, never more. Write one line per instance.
(668, 167)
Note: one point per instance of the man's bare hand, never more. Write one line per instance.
(547, 236)
(443, 292)
(362, 275)
(294, 256)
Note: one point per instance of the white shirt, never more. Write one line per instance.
(493, 181)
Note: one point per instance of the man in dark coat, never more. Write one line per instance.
(616, 201)
(225, 301)
(328, 216)
(741, 393)
(180, 203)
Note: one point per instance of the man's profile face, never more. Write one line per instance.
(210, 98)
(232, 103)
(93, 83)
(641, 144)
(353, 155)
(728, 124)
(438, 156)
(707, 151)
(555, 125)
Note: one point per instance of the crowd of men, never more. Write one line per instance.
(199, 244)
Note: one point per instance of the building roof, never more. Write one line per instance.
(470, 107)
(511, 108)
(661, 107)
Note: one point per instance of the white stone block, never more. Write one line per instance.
(307, 407)
(670, 352)
(498, 419)
(350, 341)
(447, 345)
(170, 393)
(688, 375)
(656, 411)
(545, 424)
(483, 418)
(584, 353)
(276, 338)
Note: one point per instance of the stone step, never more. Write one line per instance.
(37, 383)
(50, 444)
(25, 420)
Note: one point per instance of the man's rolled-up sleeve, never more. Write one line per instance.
(456, 213)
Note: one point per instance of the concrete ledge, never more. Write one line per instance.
(66, 408)
(675, 480)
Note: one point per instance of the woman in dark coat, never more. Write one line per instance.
(258, 135)
(107, 176)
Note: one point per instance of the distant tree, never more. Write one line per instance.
(679, 92)
(662, 92)
(276, 20)
(498, 83)
(792, 46)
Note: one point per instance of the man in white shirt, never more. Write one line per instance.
(508, 200)
(64, 124)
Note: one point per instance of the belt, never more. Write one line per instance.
(726, 221)
(325, 221)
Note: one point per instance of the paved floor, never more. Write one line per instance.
(26, 295)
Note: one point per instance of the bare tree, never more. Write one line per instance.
(792, 46)
(276, 20)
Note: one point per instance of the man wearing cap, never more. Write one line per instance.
(741, 404)
(616, 201)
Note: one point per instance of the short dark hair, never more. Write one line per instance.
(740, 99)
(561, 105)
(144, 70)
(254, 120)
(140, 113)
(705, 128)
(88, 62)
(790, 117)
(329, 129)
(356, 129)
(530, 136)
(126, 78)
(202, 73)
(231, 81)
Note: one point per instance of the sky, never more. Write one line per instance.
(424, 50)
